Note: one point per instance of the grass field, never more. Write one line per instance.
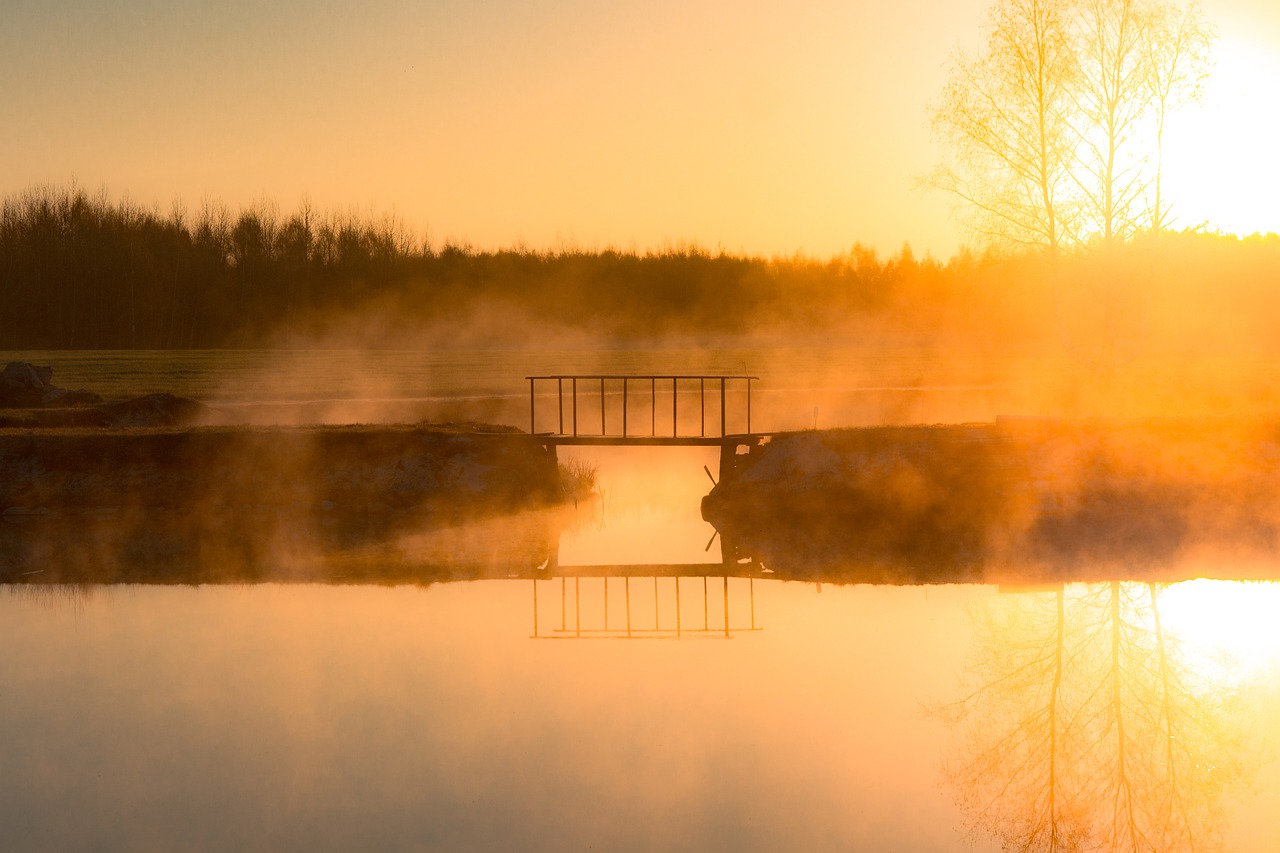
(799, 387)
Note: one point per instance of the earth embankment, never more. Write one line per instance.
(209, 503)
(1020, 500)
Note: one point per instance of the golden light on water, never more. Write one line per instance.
(1227, 629)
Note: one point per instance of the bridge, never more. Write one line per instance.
(641, 411)
(672, 410)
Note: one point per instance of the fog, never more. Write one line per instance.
(289, 323)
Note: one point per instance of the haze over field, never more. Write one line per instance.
(754, 127)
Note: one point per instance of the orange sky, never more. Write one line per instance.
(759, 127)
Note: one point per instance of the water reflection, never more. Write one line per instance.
(310, 717)
(55, 597)
(327, 717)
(641, 595)
(170, 548)
(1086, 727)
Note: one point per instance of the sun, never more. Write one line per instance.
(1222, 169)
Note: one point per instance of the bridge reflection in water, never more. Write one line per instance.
(649, 603)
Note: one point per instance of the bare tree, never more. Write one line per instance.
(1056, 130)
(1005, 114)
(1116, 40)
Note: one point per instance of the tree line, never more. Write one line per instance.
(81, 271)
(78, 271)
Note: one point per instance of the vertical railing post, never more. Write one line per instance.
(726, 605)
(560, 400)
(574, 391)
(653, 405)
(656, 623)
(675, 395)
(531, 429)
(722, 429)
(603, 431)
(677, 605)
(626, 586)
(577, 607)
(702, 403)
(624, 407)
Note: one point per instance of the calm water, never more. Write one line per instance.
(338, 718)
(634, 713)
(740, 714)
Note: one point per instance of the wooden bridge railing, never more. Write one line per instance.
(594, 384)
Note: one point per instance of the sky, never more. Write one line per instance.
(753, 127)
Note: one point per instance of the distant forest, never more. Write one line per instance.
(78, 271)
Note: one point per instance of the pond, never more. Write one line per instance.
(336, 718)
(638, 694)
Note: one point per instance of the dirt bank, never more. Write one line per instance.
(1015, 501)
(140, 504)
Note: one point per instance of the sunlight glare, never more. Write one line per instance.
(1227, 628)
(1220, 158)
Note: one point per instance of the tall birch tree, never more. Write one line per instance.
(1055, 131)
(1005, 115)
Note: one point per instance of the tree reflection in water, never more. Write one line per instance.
(1086, 729)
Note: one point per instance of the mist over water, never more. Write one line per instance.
(828, 386)
(465, 715)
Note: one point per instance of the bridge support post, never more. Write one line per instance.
(728, 459)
